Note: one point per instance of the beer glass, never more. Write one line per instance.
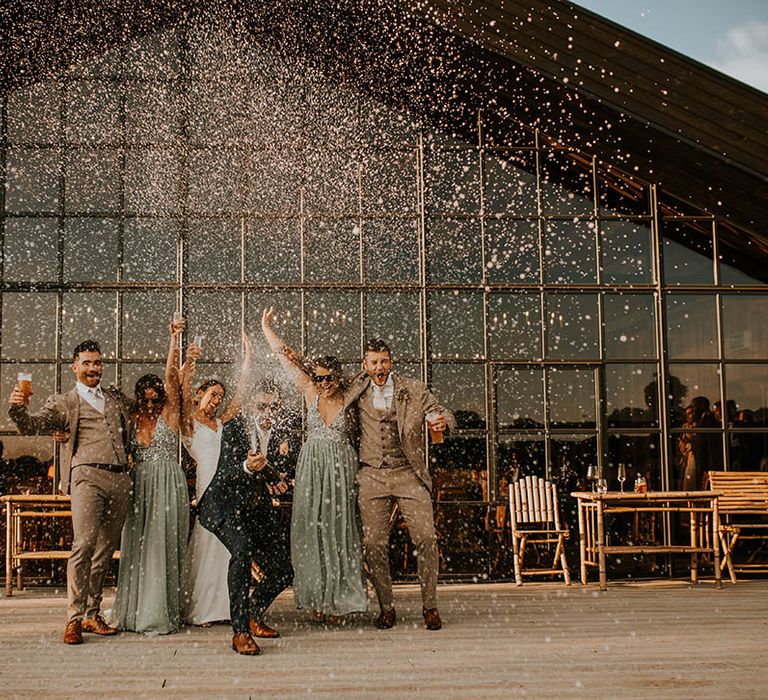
(436, 436)
(24, 380)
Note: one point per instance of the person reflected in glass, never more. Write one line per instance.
(205, 592)
(706, 448)
(686, 462)
(326, 549)
(154, 539)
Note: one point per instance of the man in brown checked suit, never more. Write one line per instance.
(94, 468)
(393, 468)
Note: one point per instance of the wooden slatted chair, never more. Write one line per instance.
(743, 510)
(535, 519)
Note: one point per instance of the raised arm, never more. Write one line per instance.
(290, 360)
(187, 376)
(172, 409)
(243, 384)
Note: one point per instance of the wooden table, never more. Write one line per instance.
(17, 508)
(594, 508)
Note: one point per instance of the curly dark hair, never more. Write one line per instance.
(85, 346)
(150, 381)
(377, 345)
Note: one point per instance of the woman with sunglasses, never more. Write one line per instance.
(154, 542)
(325, 538)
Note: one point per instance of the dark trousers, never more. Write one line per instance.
(264, 541)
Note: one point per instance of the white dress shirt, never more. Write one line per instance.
(93, 395)
(382, 396)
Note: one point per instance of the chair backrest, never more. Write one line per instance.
(533, 500)
(741, 492)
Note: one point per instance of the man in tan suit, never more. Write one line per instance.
(393, 468)
(94, 468)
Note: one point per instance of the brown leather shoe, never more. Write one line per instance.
(259, 629)
(386, 620)
(432, 619)
(243, 643)
(73, 632)
(98, 626)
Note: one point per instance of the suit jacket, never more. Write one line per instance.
(412, 400)
(236, 500)
(62, 412)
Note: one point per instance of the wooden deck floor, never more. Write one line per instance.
(662, 640)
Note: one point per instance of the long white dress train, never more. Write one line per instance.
(205, 589)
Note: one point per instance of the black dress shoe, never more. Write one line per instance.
(386, 619)
(432, 619)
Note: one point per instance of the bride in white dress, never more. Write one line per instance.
(205, 593)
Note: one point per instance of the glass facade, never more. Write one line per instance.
(566, 311)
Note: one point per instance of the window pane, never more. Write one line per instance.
(456, 324)
(389, 181)
(452, 181)
(569, 252)
(510, 183)
(687, 250)
(151, 182)
(91, 250)
(640, 454)
(32, 179)
(519, 456)
(152, 113)
(454, 253)
(212, 252)
(149, 250)
(502, 129)
(221, 110)
(216, 180)
(514, 326)
(273, 251)
(749, 451)
(273, 182)
(391, 249)
(29, 459)
(566, 183)
(34, 113)
(572, 325)
(620, 193)
(395, 318)
(519, 398)
(332, 180)
(457, 463)
(132, 372)
(88, 316)
(93, 112)
(742, 256)
(627, 252)
(287, 321)
(570, 456)
(93, 181)
(31, 250)
(631, 395)
(630, 326)
(691, 326)
(571, 394)
(512, 251)
(461, 388)
(747, 385)
(153, 56)
(145, 324)
(333, 251)
(29, 325)
(43, 385)
(215, 315)
(333, 324)
(745, 335)
(686, 382)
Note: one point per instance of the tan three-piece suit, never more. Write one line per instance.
(94, 468)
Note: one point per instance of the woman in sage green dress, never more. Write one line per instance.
(154, 540)
(326, 550)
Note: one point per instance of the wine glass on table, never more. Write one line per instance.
(592, 475)
(622, 475)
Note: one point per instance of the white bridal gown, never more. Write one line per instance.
(205, 589)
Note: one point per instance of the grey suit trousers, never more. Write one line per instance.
(377, 489)
(100, 501)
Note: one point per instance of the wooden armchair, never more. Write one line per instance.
(535, 519)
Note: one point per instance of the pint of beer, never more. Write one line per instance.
(436, 436)
(24, 380)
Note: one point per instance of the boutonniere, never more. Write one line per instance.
(284, 448)
(402, 394)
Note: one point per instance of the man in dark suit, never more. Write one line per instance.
(256, 457)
